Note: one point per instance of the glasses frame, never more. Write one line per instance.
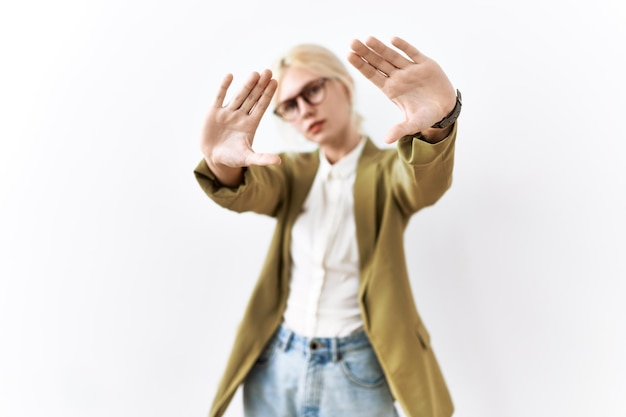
(303, 93)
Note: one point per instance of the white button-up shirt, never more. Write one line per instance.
(323, 298)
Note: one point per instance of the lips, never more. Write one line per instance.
(315, 126)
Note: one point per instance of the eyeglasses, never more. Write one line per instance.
(313, 93)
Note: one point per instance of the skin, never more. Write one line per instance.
(328, 124)
(410, 79)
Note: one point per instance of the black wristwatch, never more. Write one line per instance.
(452, 116)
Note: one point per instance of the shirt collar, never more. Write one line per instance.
(345, 166)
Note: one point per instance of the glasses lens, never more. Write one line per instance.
(312, 93)
(287, 109)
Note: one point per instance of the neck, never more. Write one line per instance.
(334, 152)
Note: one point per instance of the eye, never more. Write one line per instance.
(313, 89)
(289, 106)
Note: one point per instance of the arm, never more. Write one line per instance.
(414, 82)
(229, 130)
(422, 172)
(262, 189)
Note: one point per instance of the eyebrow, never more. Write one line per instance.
(305, 85)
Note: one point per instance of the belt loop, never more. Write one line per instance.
(334, 349)
(288, 339)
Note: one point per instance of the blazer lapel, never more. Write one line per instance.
(307, 168)
(365, 201)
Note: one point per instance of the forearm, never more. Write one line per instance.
(423, 171)
(261, 190)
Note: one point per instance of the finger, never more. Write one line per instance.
(392, 56)
(373, 58)
(257, 92)
(411, 51)
(264, 101)
(245, 90)
(367, 70)
(221, 92)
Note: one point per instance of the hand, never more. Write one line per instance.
(415, 83)
(229, 130)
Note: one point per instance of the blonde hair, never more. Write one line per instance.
(320, 60)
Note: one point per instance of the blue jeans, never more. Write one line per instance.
(297, 376)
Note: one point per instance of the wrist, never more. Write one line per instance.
(225, 176)
(434, 135)
(451, 117)
(442, 128)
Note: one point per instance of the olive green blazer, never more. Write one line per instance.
(390, 186)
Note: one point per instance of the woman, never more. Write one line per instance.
(331, 328)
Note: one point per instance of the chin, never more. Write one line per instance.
(318, 138)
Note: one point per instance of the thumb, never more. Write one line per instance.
(397, 131)
(262, 159)
(402, 129)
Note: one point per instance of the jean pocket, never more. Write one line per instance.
(362, 368)
(267, 352)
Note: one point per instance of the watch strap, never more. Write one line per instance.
(452, 116)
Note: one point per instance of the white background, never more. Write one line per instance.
(121, 283)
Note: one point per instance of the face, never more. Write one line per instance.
(320, 108)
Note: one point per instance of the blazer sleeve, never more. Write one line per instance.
(262, 191)
(422, 172)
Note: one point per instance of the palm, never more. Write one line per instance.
(229, 129)
(415, 83)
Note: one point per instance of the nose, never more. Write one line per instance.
(304, 107)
